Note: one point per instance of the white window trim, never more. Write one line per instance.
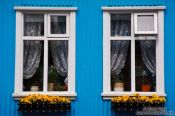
(18, 92)
(107, 93)
(145, 14)
(67, 25)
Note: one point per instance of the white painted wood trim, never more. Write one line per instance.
(72, 54)
(71, 95)
(18, 56)
(110, 95)
(135, 8)
(106, 52)
(145, 32)
(107, 93)
(160, 54)
(22, 8)
(67, 25)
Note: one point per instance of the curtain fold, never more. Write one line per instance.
(33, 25)
(58, 24)
(31, 60)
(119, 51)
(120, 28)
(59, 51)
(149, 55)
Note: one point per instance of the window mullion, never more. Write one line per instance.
(132, 55)
(45, 80)
(133, 65)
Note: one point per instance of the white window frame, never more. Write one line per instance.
(71, 13)
(145, 14)
(107, 11)
(67, 25)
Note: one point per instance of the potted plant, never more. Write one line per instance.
(145, 87)
(52, 78)
(118, 83)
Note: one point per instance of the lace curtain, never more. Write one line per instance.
(149, 55)
(119, 51)
(58, 24)
(33, 25)
(31, 60)
(59, 51)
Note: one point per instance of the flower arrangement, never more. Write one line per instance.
(137, 102)
(44, 103)
(136, 98)
(39, 98)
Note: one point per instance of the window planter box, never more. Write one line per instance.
(43, 107)
(136, 102)
(133, 106)
(44, 103)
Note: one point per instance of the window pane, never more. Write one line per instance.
(145, 22)
(58, 66)
(33, 65)
(120, 65)
(120, 24)
(145, 55)
(33, 24)
(58, 24)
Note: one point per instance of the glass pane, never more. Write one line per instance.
(145, 22)
(33, 24)
(145, 55)
(120, 65)
(58, 24)
(120, 24)
(58, 66)
(33, 65)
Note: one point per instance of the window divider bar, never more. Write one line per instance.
(132, 54)
(45, 80)
(133, 65)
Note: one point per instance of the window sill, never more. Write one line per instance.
(71, 95)
(110, 95)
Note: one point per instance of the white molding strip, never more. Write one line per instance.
(133, 8)
(71, 95)
(22, 8)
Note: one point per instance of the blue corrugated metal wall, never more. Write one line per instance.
(88, 53)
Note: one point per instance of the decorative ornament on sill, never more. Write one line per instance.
(136, 102)
(44, 103)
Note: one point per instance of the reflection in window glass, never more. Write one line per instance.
(58, 66)
(120, 65)
(33, 65)
(120, 24)
(58, 24)
(145, 55)
(33, 25)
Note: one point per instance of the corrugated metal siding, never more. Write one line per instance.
(88, 53)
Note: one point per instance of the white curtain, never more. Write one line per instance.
(31, 58)
(59, 51)
(33, 25)
(58, 24)
(119, 50)
(148, 49)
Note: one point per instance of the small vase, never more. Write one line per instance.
(34, 88)
(119, 86)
